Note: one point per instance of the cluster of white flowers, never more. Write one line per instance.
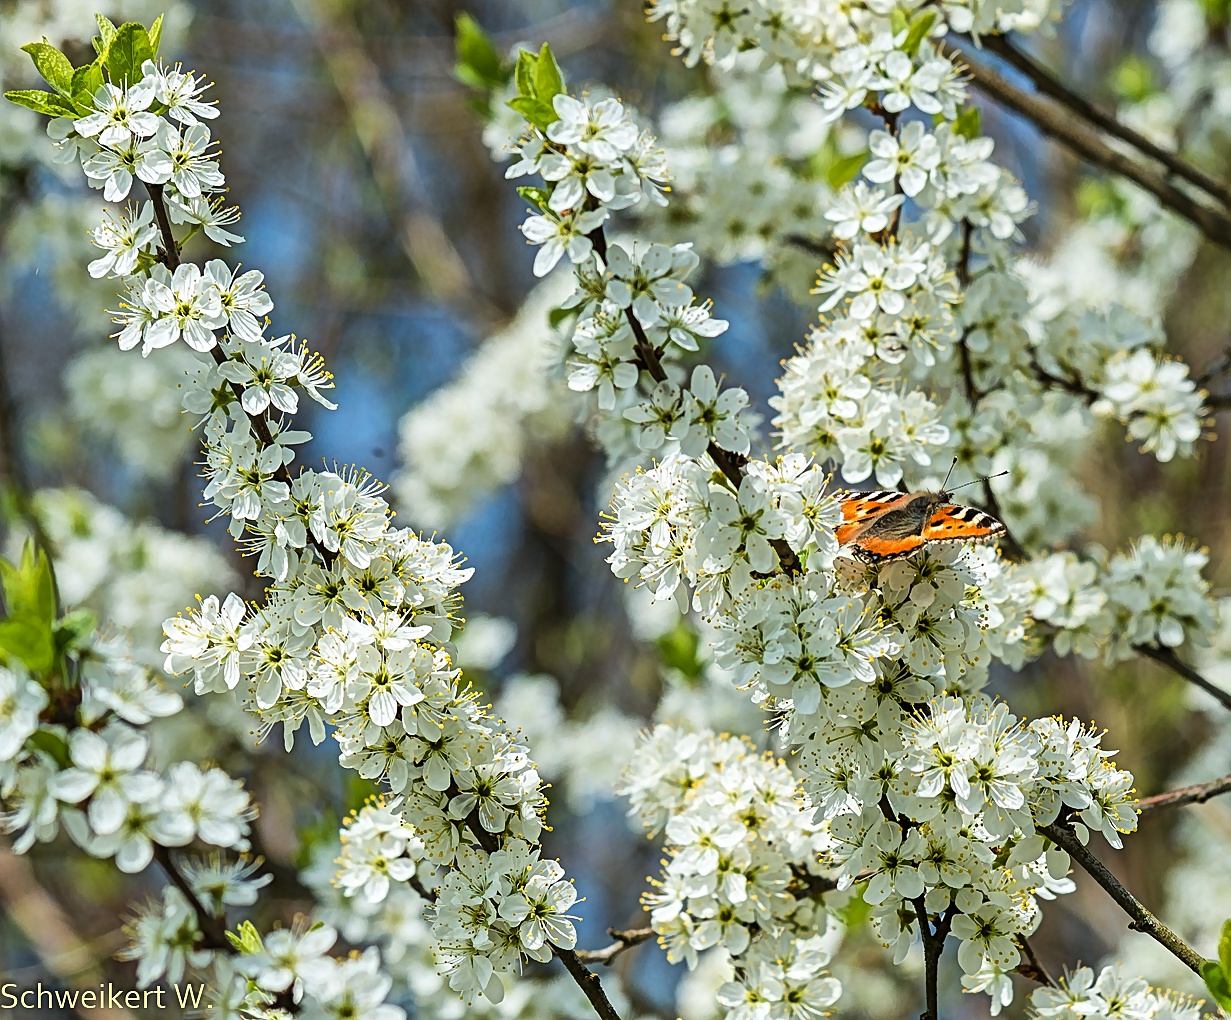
(596, 160)
(1115, 992)
(744, 868)
(932, 792)
(356, 627)
(1151, 595)
(854, 47)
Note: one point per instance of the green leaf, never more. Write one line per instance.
(844, 169)
(155, 35)
(897, 21)
(969, 122)
(74, 629)
(538, 114)
(52, 65)
(524, 72)
(920, 26)
(28, 589)
(1224, 948)
(478, 62)
(678, 649)
(245, 938)
(1216, 981)
(537, 197)
(106, 32)
(86, 81)
(128, 51)
(558, 315)
(548, 80)
(27, 642)
(47, 103)
(52, 744)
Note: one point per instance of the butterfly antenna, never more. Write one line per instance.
(987, 478)
(945, 483)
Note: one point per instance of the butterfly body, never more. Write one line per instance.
(883, 526)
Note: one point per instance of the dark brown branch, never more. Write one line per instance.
(1143, 920)
(1167, 657)
(624, 940)
(1050, 85)
(1198, 793)
(1055, 122)
(933, 948)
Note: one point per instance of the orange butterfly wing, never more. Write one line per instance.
(955, 523)
(860, 509)
(874, 549)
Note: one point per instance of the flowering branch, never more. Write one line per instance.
(1050, 85)
(1052, 121)
(1198, 793)
(647, 358)
(1063, 836)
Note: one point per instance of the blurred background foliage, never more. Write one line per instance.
(389, 239)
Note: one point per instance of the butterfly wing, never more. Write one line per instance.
(861, 509)
(952, 522)
(874, 548)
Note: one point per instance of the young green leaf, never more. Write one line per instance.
(51, 744)
(86, 81)
(537, 197)
(478, 63)
(47, 103)
(52, 65)
(74, 629)
(548, 79)
(106, 32)
(245, 938)
(1216, 981)
(128, 51)
(526, 64)
(1224, 948)
(845, 169)
(28, 589)
(538, 114)
(155, 35)
(920, 26)
(969, 122)
(28, 642)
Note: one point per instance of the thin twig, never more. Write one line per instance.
(1143, 920)
(1198, 793)
(213, 929)
(1167, 657)
(624, 940)
(1055, 122)
(1032, 967)
(1050, 85)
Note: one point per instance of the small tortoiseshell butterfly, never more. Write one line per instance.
(884, 526)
